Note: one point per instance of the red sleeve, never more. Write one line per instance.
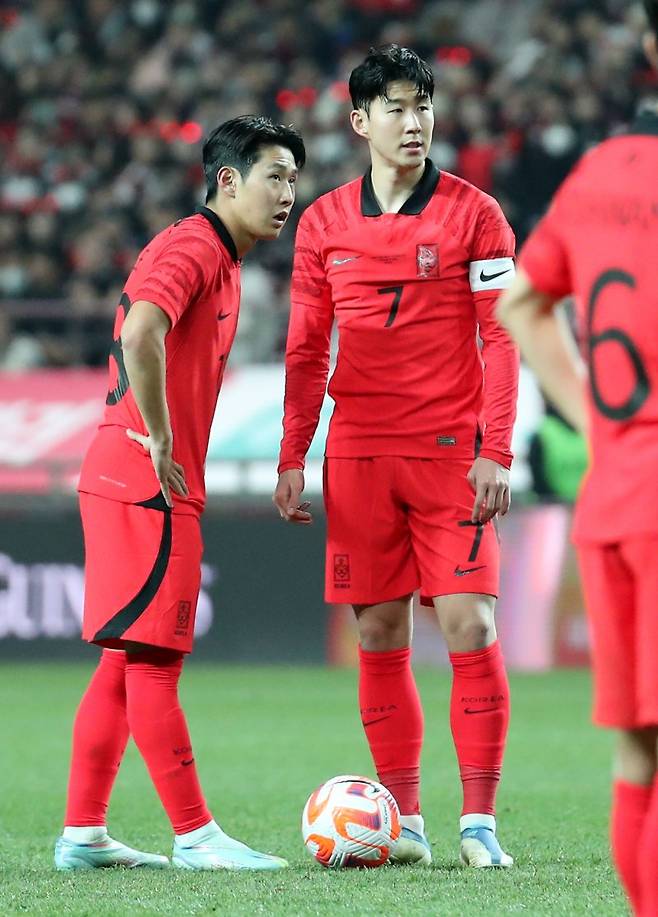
(180, 272)
(493, 244)
(501, 382)
(544, 256)
(307, 349)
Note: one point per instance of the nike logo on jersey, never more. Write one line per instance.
(222, 315)
(485, 278)
(459, 571)
(345, 260)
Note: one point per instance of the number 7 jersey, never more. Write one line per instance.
(599, 240)
(409, 292)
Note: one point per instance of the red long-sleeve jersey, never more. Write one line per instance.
(410, 293)
(191, 271)
(598, 241)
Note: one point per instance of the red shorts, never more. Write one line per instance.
(620, 582)
(396, 524)
(142, 573)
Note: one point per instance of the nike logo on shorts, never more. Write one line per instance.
(459, 571)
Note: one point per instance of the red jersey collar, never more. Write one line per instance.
(414, 204)
(225, 236)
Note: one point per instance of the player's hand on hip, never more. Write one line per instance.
(169, 473)
(287, 495)
(490, 482)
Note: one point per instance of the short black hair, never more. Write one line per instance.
(382, 66)
(238, 142)
(651, 9)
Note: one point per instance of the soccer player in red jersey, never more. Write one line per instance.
(409, 263)
(142, 492)
(598, 241)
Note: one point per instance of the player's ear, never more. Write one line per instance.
(359, 122)
(226, 181)
(650, 46)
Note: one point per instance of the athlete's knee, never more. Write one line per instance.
(383, 627)
(464, 636)
(466, 625)
(635, 758)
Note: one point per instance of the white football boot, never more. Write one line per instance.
(479, 845)
(412, 847)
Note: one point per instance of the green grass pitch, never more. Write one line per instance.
(263, 739)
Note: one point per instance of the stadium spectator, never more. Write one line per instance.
(102, 106)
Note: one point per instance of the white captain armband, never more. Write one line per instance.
(491, 274)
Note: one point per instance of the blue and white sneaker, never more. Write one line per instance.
(213, 849)
(412, 847)
(104, 853)
(479, 844)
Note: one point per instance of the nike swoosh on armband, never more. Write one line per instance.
(491, 274)
(485, 278)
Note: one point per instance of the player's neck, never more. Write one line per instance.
(393, 185)
(242, 240)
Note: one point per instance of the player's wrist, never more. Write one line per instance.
(290, 466)
(504, 459)
(162, 439)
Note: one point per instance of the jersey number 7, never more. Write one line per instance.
(397, 296)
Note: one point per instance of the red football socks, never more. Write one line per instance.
(392, 719)
(630, 804)
(479, 717)
(100, 734)
(157, 724)
(646, 853)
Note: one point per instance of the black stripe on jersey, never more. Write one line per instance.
(126, 617)
(221, 230)
(415, 204)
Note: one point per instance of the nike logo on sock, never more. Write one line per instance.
(222, 315)
(187, 763)
(481, 710)
(378, 720)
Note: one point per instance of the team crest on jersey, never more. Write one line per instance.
(427, 260)
(342, 571)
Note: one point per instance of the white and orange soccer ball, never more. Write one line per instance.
(350, 821)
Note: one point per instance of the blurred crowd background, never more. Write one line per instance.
(104, 103)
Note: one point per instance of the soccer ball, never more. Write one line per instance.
(350, 821)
